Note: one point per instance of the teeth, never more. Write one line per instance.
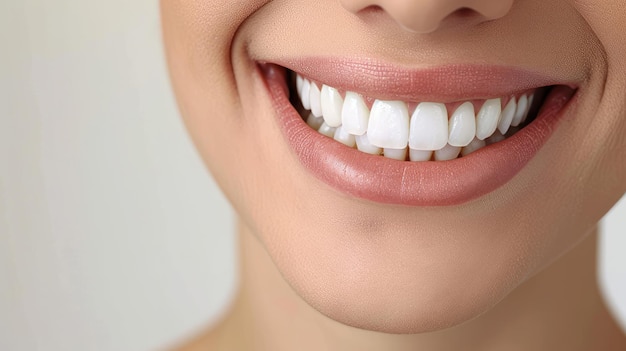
(462, 125)
(331, 106)
(388, 125)
(299, 84)
(305, 96)
(363, 144)
(355, 114)
(396, 154)
(429, 127)
(475, 145)
(314, 122)
(530, 103)
(507, 116)
(420, 155)
(344, 137)
(487, 118)
(427, 134)
(522, 109)
(316, 103)
(448, 152)
(327, 130)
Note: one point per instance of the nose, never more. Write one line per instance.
(425, 16)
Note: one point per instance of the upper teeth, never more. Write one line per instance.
(428, 131)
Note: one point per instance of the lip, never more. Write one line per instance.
(438, 183)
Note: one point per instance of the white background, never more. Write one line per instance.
(112, 234)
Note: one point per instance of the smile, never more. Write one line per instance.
(435, 137)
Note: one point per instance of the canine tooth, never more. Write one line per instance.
(396, 154)
(388, 126)
(344, 137)
(476, 144)
(364, 145)
(354, 114)
(429, 127)
(487, 118)
(448, 152)
(507, 116)
(420, 155)
(327, 130)
(316, 103)
(462, 128)
(522, 106)
(314, 122)
(299, 84)
(306, 94)
(331, 105)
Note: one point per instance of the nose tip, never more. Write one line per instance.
(426, 16)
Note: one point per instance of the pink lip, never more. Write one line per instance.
(384, 180)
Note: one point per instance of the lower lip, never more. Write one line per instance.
(385, 180)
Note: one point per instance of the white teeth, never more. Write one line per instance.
(316, 103)
(487, 118)
(388, 126)
(327, 130)
(530, 103)
(429, 127)
(507, 116)
(331, 106)
(387, 129)
(344, 137)
(364, 145)
(396, 154)
(314, 122)
(355, 114)
(475, 145)
(449, 152)
(462, 125)
(305, 94)
(420, 155)
(522, 108)
(299, 84)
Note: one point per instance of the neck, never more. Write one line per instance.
(559, 309)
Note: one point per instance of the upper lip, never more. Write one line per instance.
(447, 83)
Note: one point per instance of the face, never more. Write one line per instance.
(461, 146)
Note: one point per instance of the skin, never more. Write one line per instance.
(321, 270)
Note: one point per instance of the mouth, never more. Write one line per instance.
(435, 137)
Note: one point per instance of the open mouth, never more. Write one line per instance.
(422, 139)
(412, 131)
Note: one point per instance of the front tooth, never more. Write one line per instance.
(314, 122)
(388, 126)
(522, 106)
(316, 103)
(396, 154)
(299, 84)
(327, 130)
(354, 114)
(420, 155)
(449, 152)
(429, 127)
(487, 118)
(306, 94)
(364, 145)
(507, 116)
(331, 106)
(476, 144)
(344, 137)
(462, 128)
